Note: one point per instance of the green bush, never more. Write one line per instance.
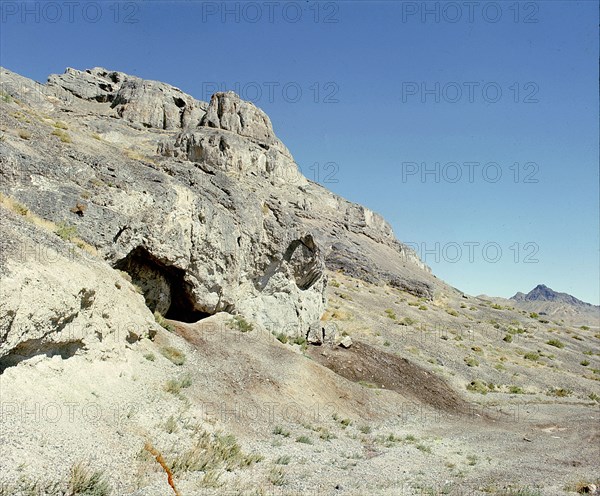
(556, 343)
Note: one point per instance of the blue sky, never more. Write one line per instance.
(381, 89)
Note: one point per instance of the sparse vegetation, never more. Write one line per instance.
(304, 440)
(283, 460)
(390, 313)
(585, 363)
(516, 390)
(212, 451)
(282, 337)
(534, 315)
(60, 125)
(62, 135)
(83, 480)
(471, 361)
(422, 307)
(150, 357)
(423, 447)
(66, 231)
(531, 356)
(277, 476)
(556, 343)
(280, 431)
(477, 387)
(24, 134)
(173, 354)
(559, 392)
(240, 323)
(452, 312)
(160, 320)
(174, 386)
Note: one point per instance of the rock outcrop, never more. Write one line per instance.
(200, 204)
(150, 103)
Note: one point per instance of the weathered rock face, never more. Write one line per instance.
(227, 111)
(200, 204)
(149, 103)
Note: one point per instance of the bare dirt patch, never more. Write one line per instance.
(365, 364)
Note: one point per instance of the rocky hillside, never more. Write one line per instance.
(544, 293)
(182, 312)
(199, 202)
(546, 301)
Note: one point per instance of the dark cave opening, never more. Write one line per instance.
(164, 287)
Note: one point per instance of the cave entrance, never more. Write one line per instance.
(164, 287)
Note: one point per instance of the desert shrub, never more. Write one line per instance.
(174, 386)
(508, 338)
(60, 125)
(24, 134)
(407, 321)
(531, 356)
(559, 392)
(277, 476)
(84, 480)
(585, 363)
(283, 460)
(64, 137)
(173, 354)
(66, 231)
(516, 390)
(477, 387)
(390, 313)
(150, 357)
(214, 451)
(240, 323)
(471, 361)
(280, 431)
(534, 315)
(304, 440)
(160, 320)
(452, 312)
(556, 343)
(422, 307)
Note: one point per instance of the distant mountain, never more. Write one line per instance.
(544, 293)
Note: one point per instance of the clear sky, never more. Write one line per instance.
(373, 95)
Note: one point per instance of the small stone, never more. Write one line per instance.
(346, 342)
